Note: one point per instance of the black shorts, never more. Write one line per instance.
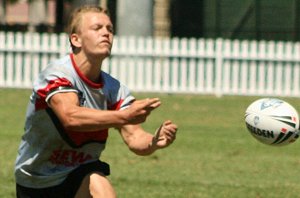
(66, 189)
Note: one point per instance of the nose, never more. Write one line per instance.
(106, 30)
(105, 33)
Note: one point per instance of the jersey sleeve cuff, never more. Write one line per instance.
(59, 90)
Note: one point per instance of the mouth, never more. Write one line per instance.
(105, 42)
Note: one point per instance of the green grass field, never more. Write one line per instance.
(213, 156)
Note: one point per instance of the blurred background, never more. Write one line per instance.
(230, 19)
(234, 47)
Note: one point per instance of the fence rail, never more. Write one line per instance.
(198, 66)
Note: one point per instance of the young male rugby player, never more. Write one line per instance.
(72, 106)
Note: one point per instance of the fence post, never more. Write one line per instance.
(63, 41)
(18, 60)
(218, 66)
(2, 58)
(10, 59)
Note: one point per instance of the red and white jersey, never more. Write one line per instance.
(48, 152)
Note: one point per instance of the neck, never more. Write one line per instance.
(89, 66)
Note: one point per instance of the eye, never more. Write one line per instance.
(110, 29)
(96, 27)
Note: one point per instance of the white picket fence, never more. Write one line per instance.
(197, 66)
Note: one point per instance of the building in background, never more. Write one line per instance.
(252, 19)
(39, 15)
(232, 19)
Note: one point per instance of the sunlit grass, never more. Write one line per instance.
(213, 156)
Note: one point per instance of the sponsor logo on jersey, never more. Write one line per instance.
(68, 157)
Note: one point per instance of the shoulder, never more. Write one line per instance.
(59, 68)
(109, 81)
(57, 72)
(112, 84)
(60, 65)
(118, 94)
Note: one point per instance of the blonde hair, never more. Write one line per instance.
(76, 18)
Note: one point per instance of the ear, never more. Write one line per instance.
(75, 40)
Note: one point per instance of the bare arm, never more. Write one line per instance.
(73, 117)
(143, 143)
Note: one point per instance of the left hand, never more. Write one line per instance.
(165, 135)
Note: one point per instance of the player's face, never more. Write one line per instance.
(96, 34)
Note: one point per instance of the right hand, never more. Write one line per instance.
(139, 110)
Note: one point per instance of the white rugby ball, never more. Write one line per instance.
(272, 121)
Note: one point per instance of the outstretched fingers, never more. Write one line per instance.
(152, 103)
(141, 109)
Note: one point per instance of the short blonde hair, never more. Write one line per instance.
(76, 18)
